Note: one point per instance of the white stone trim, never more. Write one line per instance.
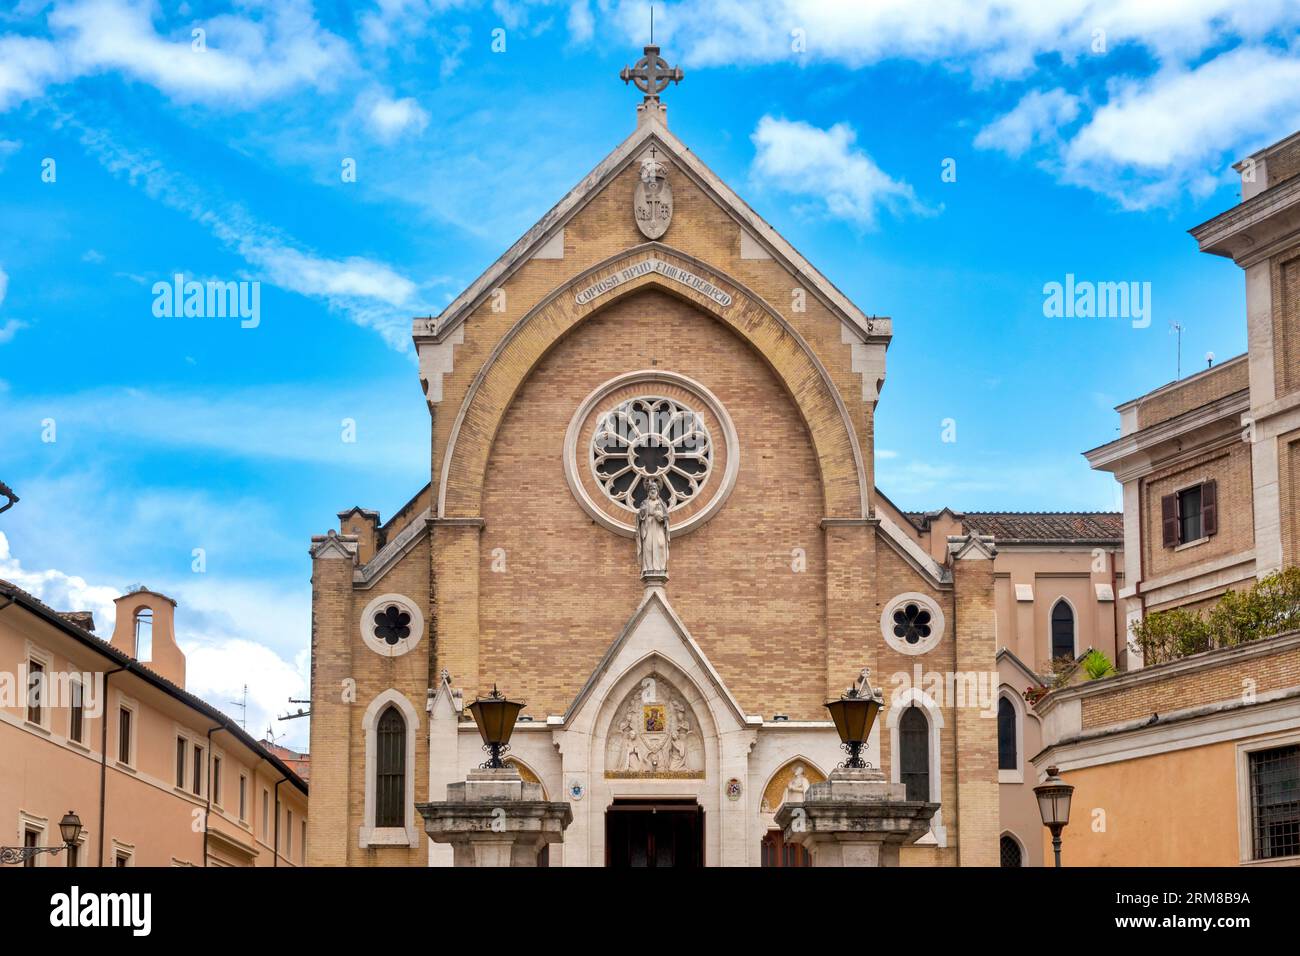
(936, 623)
(575, 458)
(368, 574)
(369, 834)
(901, 700)
(408, 643)
(912, 552)
(39, 654)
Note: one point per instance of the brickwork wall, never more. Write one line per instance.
(1226, 681)
(1209, 386)
(1231, 468)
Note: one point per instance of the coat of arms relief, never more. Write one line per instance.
(654, 734)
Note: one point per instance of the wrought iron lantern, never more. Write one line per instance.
(69, 832)
(495, 716)
(854, 714)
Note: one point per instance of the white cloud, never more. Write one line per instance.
(9, 330)
(390, 119)
(825, 166)
(581, 24)
(371, 294)
(1159, 136)
(1036, 120)
(63, 592)
(242, 61)
(27, 64)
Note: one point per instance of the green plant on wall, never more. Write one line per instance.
(1097, 665)
(1271, 606)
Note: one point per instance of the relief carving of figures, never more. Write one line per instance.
(654, 739)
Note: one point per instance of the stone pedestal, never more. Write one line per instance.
(495, 818)
(856, 818)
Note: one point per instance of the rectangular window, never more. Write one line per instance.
(124, 736)
(122, 859)
(77, 714)
(288, 833)
(1275, 802)
(31, 838)
(35, 691)
(302, 849)
(243, 798)
(197, 783)
(1190, 514)
(180, 762)
(266, 814)
(216, 780)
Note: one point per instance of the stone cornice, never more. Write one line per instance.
(1117, 456)
(1256, 228)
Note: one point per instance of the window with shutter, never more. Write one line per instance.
(1169, 520)
(1209, 508)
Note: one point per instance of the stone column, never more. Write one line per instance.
(856, 818)
(495, 818)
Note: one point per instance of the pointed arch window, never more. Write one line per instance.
(1010, 852)
(1062, 630)
(914, 753)
(390, 769)
(1008, 759)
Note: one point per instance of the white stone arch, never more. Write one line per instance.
(901, 701)
(408, 835)
(781, 768)
(1018, 705)
(1074, 614)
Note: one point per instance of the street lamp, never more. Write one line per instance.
(854, 713)
(495, 716)
(1054, 806)
(69, 831)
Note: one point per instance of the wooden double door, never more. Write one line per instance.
(660, 833)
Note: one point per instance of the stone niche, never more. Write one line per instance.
(654, 735)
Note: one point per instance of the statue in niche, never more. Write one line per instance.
(798, 786)
(652, 534)
(632, 756)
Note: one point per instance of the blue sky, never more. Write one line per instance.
(1087, 135)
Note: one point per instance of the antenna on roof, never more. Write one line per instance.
(242, 704)
(1177, 327)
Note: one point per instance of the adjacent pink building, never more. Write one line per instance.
(157, 776)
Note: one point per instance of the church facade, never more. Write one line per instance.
(652, 517)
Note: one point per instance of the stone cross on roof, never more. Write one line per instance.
(652, 74)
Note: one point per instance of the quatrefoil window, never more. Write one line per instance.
(912, 623)
(649, 437)
(392, 625)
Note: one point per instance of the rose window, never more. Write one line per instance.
(392, 624)
(912, 623)
(651, 438)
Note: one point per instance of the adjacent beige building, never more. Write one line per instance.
(157, 776)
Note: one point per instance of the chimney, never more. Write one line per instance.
(146, 629)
